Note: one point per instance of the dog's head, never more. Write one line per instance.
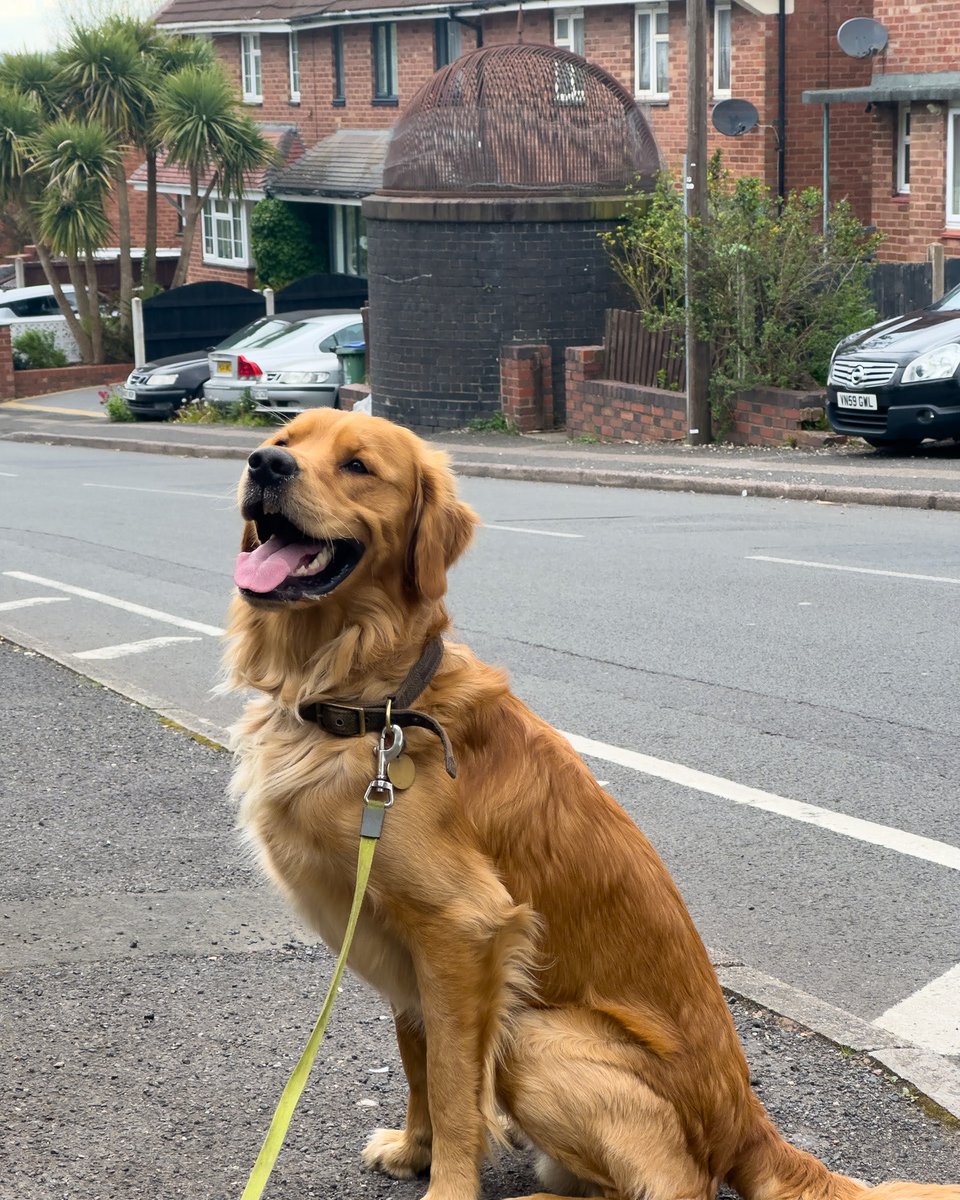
(338, 503)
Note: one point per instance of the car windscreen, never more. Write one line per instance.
(291, 331)
(257, 330)
(949, 302)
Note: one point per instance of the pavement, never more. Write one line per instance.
(851, 473)
(154, 994)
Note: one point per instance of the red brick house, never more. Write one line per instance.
(908, 115)
(337, 76)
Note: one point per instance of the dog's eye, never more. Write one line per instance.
(355, 467)
(281, 442)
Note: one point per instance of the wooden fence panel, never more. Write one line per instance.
(635, 355)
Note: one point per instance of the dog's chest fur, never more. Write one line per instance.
(301, 796)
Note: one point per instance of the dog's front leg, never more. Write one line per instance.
(404, 1153)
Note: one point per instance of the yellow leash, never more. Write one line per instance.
(373, 815)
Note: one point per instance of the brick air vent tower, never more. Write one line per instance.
(499, 177)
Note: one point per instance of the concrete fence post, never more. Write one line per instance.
(935, 257)
(19, 272)
(139, 342)
(268, 300)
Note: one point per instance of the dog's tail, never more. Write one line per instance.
(768, 1168)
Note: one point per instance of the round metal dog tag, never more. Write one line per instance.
(401, 772)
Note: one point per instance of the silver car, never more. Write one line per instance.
(292, 370)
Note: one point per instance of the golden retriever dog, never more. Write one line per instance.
(544, 974)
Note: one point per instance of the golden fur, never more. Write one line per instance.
(538, 957)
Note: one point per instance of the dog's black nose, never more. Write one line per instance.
(270, 466)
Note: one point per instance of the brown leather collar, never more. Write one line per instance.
(352, 720)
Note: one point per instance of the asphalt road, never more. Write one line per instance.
(154, 996)
(798, 656)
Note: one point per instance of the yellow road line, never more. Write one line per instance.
(50, 408)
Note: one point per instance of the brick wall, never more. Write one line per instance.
(21, 384)
(526, 386)
(625, 412)
(446, 294)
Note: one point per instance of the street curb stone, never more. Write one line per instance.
(580, 476)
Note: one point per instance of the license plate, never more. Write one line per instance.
(128, 393)
(259, 394)
(856, 400)
(223, 368)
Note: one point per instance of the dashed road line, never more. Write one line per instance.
(30, 601)
(127, 606)
(822, 566)
(123, 649)
(931, 1016)
(538, 532)
(119, 487)
(911, 844)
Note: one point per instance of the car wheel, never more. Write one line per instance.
(898, 445)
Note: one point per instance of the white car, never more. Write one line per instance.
(30, 303)
(294, 369)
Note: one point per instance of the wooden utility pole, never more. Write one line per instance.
(698, 351)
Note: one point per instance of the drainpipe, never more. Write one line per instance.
(782, 101)
(474, 25)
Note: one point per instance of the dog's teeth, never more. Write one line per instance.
(319, 561)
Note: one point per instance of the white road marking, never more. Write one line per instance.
(911, 844)
(117, 487)
(154, 613)
(821, 566)
(931, 1016)
(9, 475)
(123, 649)
(539, 532)
(30, 601)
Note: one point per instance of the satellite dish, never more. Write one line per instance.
(860, 37)
(734, 117)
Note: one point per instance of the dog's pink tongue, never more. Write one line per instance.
(265, 568)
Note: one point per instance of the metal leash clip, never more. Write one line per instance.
(379, 794)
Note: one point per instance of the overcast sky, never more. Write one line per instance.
(41, 24)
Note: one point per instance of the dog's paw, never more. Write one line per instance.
(396, 1153)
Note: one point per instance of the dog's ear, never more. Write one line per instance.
(248, 539)
(441, 529)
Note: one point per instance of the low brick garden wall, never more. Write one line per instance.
(604, 408)
(15, 384)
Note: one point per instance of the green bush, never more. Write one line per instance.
(37, 349)
(774, 291)
(284, 247)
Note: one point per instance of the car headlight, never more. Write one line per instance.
(161, 380)
(935, 364)
(301, 377)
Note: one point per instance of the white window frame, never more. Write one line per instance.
(251, 68)
(226, 240)
(722, 16)
(294, 58)
(648, 11)
(569, 34)
(904, 124)
(953, 167)
(348, 226)
(385, 62)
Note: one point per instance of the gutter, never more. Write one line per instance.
(782, 101)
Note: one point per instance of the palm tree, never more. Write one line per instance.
(105, 73)
(163, 54)
(77, 159)
(34, 73)
(21, 189)
(200, 124)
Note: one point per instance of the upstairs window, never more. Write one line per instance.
(652, 52)
(294, 67)
(953, 167)
(903, 149)
(385, 62)
(446, 42)
(339, 95)
(568, 34)
(251, 76)
(722, 50)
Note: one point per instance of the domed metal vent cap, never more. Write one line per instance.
(520, 119)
